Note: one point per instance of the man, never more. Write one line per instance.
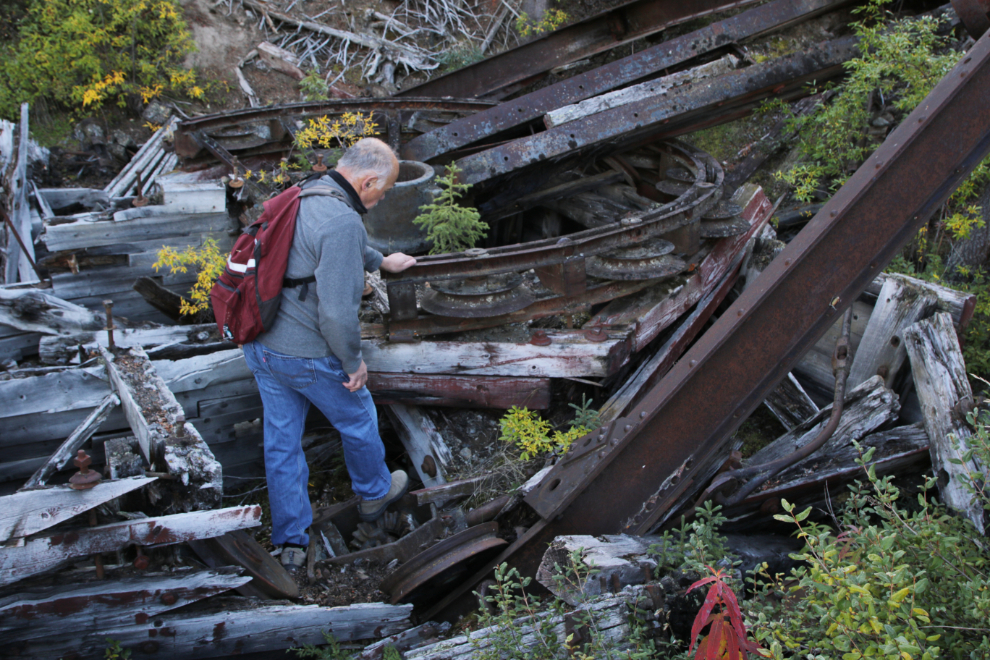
(312, 353)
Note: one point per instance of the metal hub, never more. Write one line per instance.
(477, 297)
(646, 261)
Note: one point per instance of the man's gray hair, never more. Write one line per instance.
(369, 155)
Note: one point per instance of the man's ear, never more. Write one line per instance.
(371, 182)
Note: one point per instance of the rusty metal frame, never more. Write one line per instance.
(495, 76)
(634, 68)
(186, 145)
(645, 459)
(620, 127)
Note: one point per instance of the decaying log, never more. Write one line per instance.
(867, 407)
(31, 310)
(881, 350)
(633, 93)
(167, 441)
(946, 397)
(235, 627)
(73, 609)
(379, 294)
(32, 511)
(426, 448)
(67, 450)
(898, 450)
(44, 553)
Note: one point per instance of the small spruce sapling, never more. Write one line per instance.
(448, 225)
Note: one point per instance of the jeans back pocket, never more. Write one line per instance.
(294, 372)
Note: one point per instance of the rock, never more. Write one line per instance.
(156, 113)
(120, 141)
(88, 132)
(466, 454)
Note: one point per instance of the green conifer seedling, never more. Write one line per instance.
(448, 225)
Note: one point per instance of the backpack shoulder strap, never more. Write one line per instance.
(322, 189)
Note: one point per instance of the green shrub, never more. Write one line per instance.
(448, 225)
(81, 53)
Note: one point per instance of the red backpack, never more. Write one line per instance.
(247, 294)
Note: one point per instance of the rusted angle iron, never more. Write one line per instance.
(497, 76)
(634, 68)
(784, 78)
(643, 461)
(186, 145)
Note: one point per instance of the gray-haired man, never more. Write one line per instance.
(312, 353)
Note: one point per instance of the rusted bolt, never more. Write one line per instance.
(141, 200)
(141, 562)
(85, 478)
(319, 167)
(236, 181)
(429, 466)
(108, 306)
(169, 598)
(179, 428)
(540, 338)
(597, 334)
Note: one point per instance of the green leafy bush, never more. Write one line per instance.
(448, 225)
(81, 53)
(526, 430)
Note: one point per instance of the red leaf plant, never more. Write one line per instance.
(726, 638)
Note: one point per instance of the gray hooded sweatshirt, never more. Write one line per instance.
(331, 243)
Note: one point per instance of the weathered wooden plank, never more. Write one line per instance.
(66, 390)
(151, 222)
(149, 152)
(62, 609)
(54, 349)
(162, 432)
(240, 628)
(958, 304)
(460, 391)
(628, 95)
(448, 491)
(569, 354)
(815, 367)
(29, 512)
(881, 350)
(74, 442)
(943, 387)
(18, 345)
(19, 434)
(426, 448)
(44, 553)
(30, 310)
(790, 403)
(204, 371)
(649, 313)
(110, 280)
(62, 198)
(867, 407)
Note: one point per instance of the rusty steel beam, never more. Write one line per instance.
(785, 77)
(626, 475)
(974, 14)
(494, 77)
(186, 145)
(637, 67)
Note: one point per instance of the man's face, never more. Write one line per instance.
(371, 193)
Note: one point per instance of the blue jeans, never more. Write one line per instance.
(288, 386)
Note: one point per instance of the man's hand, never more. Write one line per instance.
(397, 262)
(358, 378)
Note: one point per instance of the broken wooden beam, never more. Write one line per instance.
(67, 450)
(32, 511)
(78, 608)
(498, 392)
(31, 310)
(427, 451)
(43, 553)
(62, 348)
(942, 384)
(790, 404)
(167, 441)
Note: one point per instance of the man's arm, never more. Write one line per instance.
(340, 281)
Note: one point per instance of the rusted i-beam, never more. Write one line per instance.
(496, 76)
(639, 66)
(640, 464)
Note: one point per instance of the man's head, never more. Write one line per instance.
(371, 168)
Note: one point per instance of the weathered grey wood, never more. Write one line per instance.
(401, 642)
(628, 95)
(30, 310)
(816, 365)
(611, 616)
(620, 555)
(44, 553)
(53, 350)
(166, 437)
(240, 627)
(881, 350)
(17, 345)
(74, 442)
(866, 408)
(62, 609)
(714, 464)
(943, 388)
(29, 512)
(20, 213)
(62, 198)
(142, 162)
(153, 222)
(790, 403)
(448, 491)
(423, 442)
(956, 303)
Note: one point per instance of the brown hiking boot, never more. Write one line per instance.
(372, 510)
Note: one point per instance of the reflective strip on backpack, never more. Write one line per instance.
(240, 268)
